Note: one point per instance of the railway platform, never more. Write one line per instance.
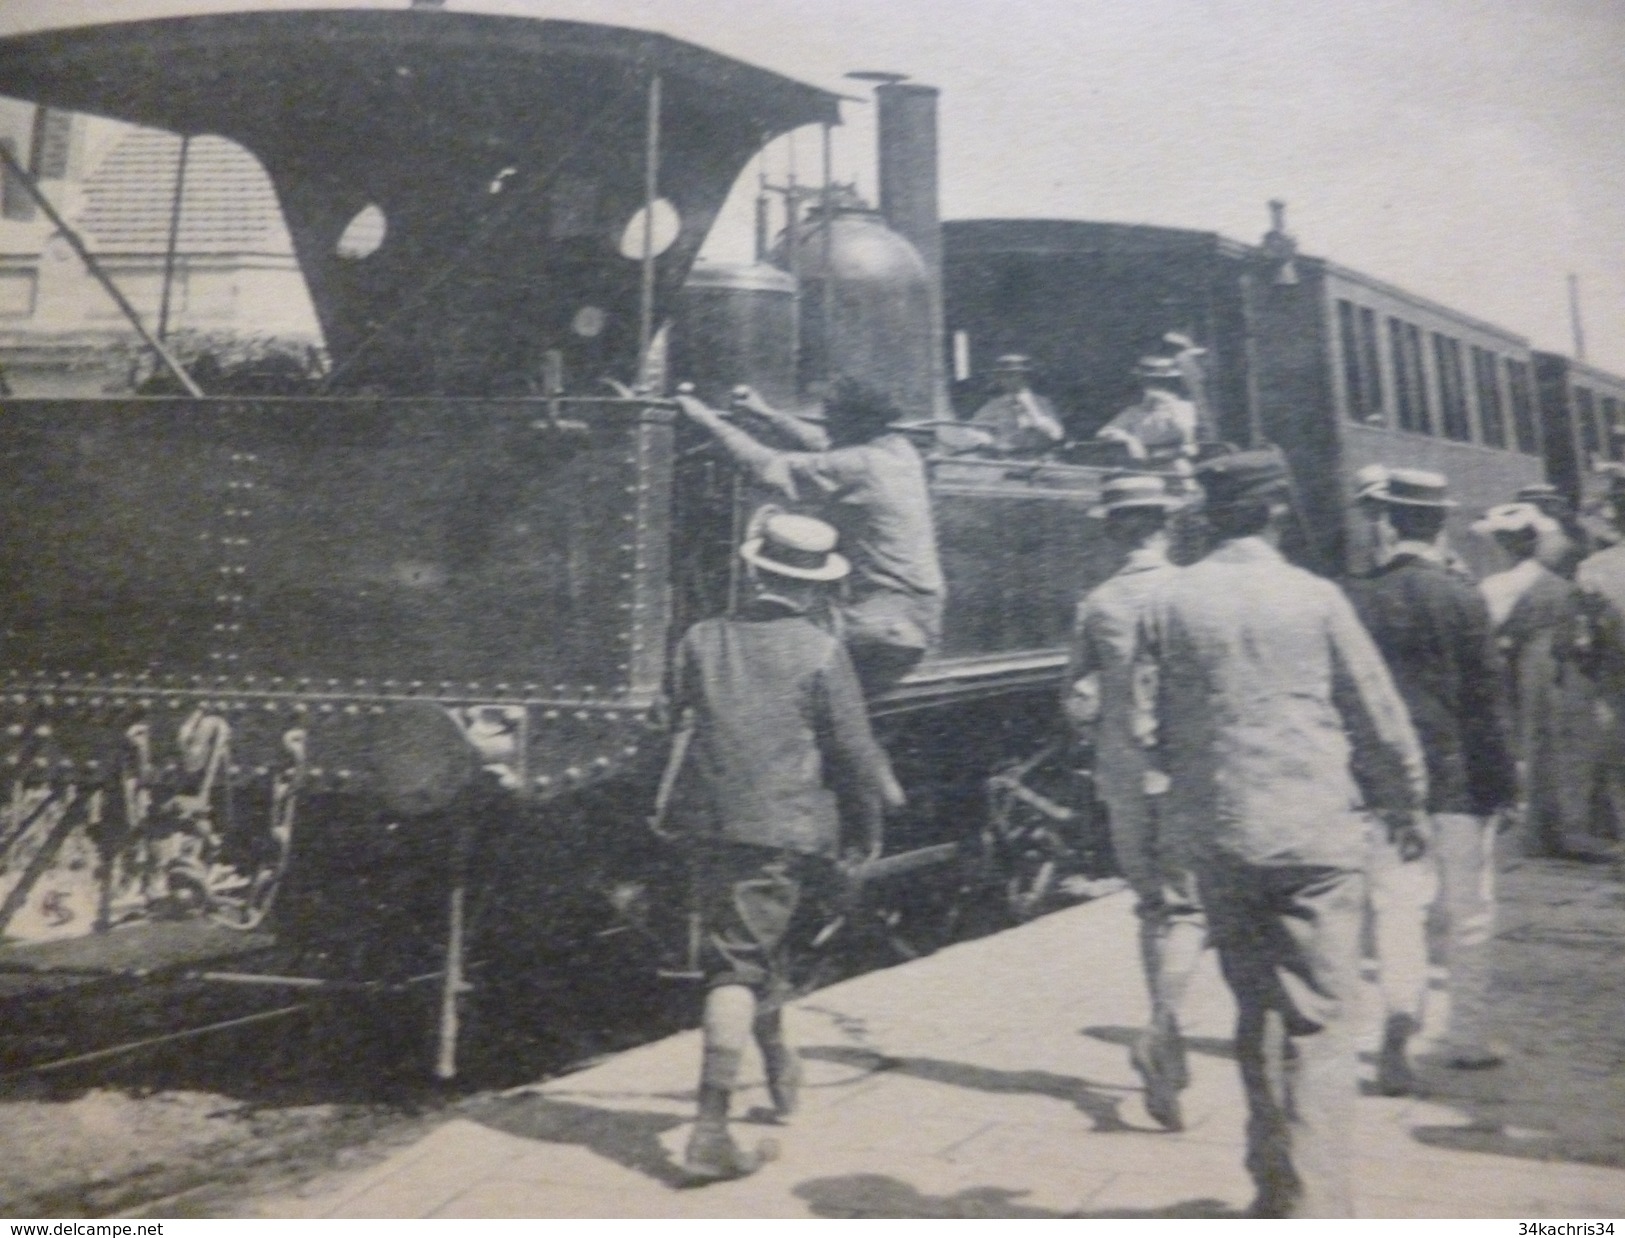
(988, 1080)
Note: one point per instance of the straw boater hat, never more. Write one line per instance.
(1369, 481)
(1135, 490)
(1413, 488)
(799, 547)
(1515, 518)
(1158, 367)
(1537, 492)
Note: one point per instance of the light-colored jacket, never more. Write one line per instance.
(1272, 712)
(1103, 637)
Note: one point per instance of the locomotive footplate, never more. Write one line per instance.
(151, 948)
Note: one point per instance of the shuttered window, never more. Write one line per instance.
(15, 200)
(52, 144)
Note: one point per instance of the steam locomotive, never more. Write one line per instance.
(367, 681)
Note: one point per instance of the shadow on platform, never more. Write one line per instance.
(1091, 1098)
(877, 1196)
(1210, 1046)
(630, 1138)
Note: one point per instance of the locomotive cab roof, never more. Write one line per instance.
(498, 160)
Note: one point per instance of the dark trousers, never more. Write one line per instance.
(1289, 940)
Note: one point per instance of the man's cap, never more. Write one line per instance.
(1013, 363)
(852, 399)
(1414, 488)
(1158, 367)
(1244, 477)
(1135, 490)
(800, 547)
(1368, 480)
(1515, 518)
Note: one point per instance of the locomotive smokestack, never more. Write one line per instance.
(907, 125)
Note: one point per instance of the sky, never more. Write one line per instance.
(1469, 151)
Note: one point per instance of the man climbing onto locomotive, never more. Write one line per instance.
(1162, 422)
(774, 754)
(1018, 421)
(870, 484)
(1271, 711)
(1156, 863)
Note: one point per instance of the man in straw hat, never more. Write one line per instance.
(1551, 651)
(776, 753)
(1017, 421)
(1157, 864)
(1601, 578)
(870, 484)
(1563, 546)
(1162, 422)
(1434, 631)
(1273, 715)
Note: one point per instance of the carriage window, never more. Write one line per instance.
(1612, 443)
(1362, 374)
(1410, 379)
(1452, 389)
(1585, 404)
(1523, 407)
(1491, 408)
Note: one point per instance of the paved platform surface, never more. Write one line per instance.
(988, 1080)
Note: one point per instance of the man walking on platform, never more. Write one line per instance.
(1271, 711)
(1601, 579)
(1156, 864)
(1536, 615)
(773, 753)
(1433, 628)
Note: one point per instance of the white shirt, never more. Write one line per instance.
(1503, 589)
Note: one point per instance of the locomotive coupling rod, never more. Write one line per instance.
(77, 244)
(902, 862)
(135, 1046)
(271, 981)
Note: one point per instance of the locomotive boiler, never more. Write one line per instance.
(370, 678)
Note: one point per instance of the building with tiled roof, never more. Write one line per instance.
(228, 206)
(234, 276)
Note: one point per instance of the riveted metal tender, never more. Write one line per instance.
(373, 670)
